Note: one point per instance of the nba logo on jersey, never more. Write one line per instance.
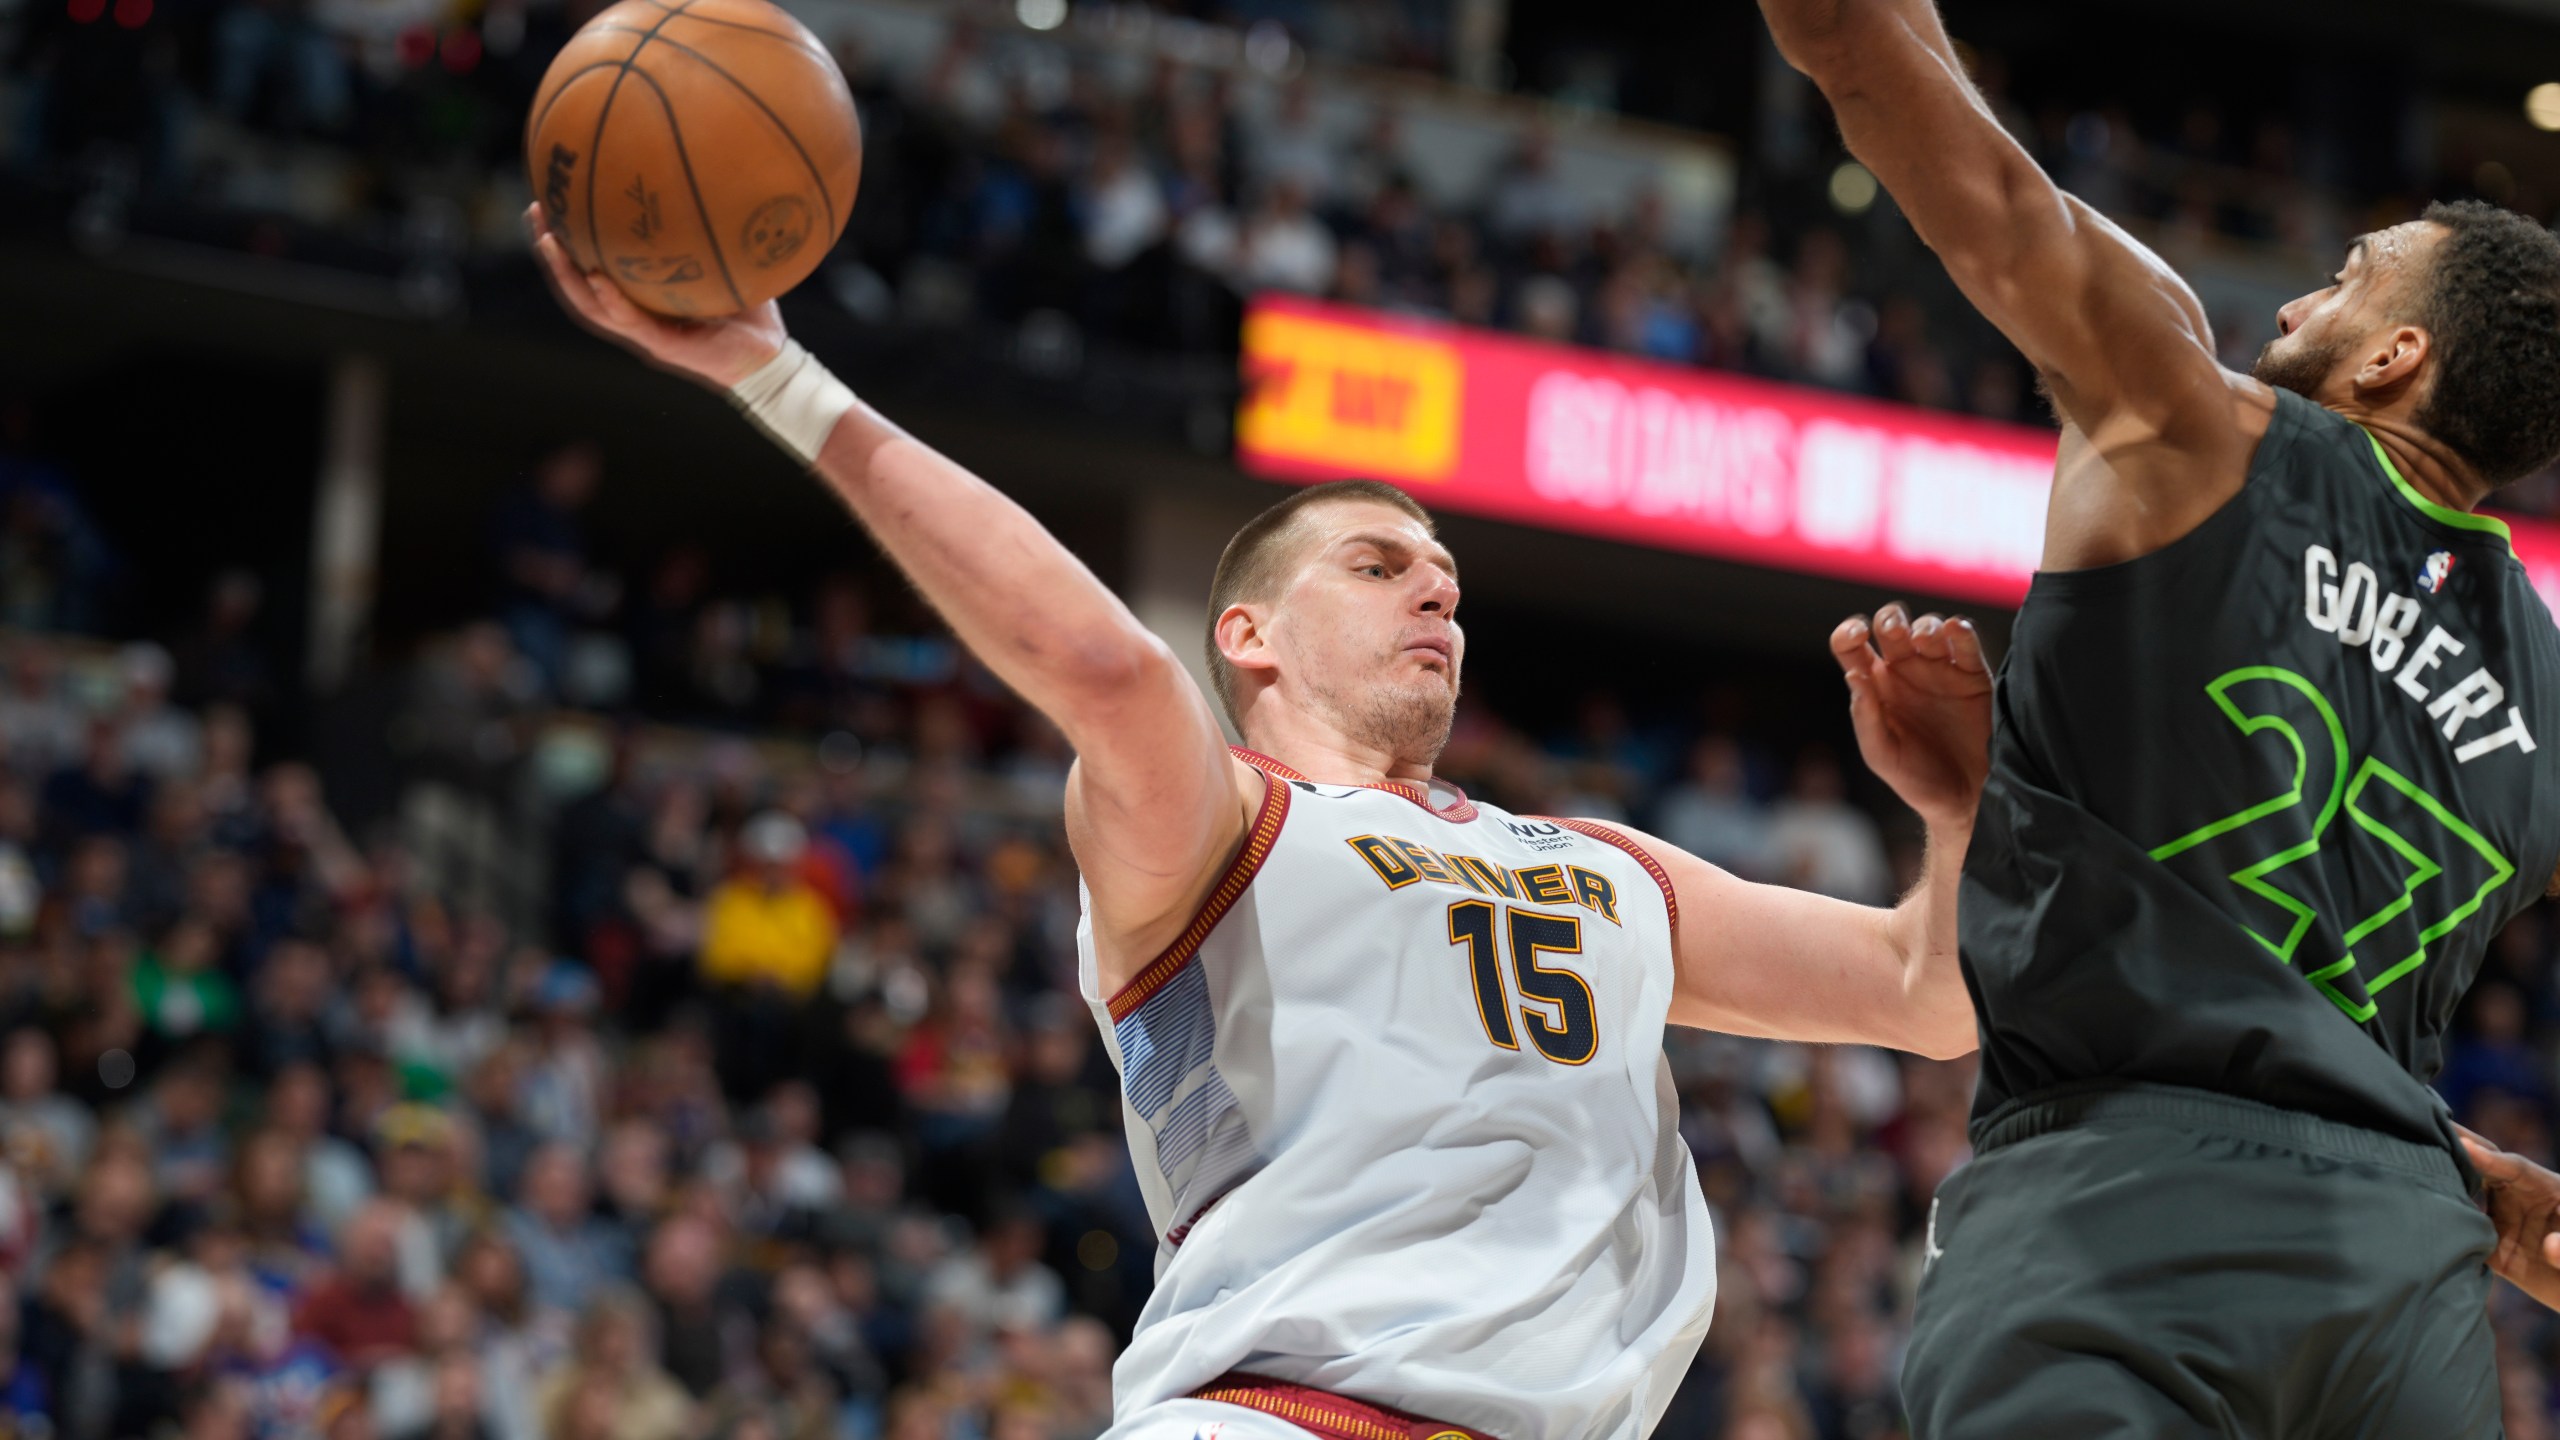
(2439, 565)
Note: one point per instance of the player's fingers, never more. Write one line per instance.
(1929, 637)
(1849, 646)
(2551, 1249)
(615, 306)
(564, 278)
(1964, 646)
(1893, 633)
(2493, 1163)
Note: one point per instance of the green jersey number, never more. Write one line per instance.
(2382, 807)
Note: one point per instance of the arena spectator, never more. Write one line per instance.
(548, 586)
(2494, 1056)
(100, 795)
(1283, 246)
(162, 741)
(1711, 814)
(1124, 209)
(1819, 841)
(568, 1257)
(768, 927)
(700, 1325)
(767, 938)
(609, 1388)
(221, 663)
(44, 1134)
(358, 1310)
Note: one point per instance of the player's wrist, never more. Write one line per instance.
(1947, 824)
(793, 399)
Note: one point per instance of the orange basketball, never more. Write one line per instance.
(702, 153)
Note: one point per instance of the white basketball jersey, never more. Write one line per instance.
(1400, 1108)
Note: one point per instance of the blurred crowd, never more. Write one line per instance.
(1135, 197)
(778, 1113)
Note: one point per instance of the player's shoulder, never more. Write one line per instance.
(2253, 407)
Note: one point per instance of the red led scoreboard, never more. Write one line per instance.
(1680, 459)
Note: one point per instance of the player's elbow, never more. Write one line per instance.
(1947, 1040)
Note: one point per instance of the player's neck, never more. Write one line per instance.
(2428, 464)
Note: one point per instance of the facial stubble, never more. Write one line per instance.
(1409, 721)
(2301, 370)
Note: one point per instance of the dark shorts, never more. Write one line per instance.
(2151, 1263)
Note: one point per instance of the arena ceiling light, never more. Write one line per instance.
(1041, 14)
(2542, 105)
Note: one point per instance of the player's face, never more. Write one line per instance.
(1368, 628)
(2322, 338)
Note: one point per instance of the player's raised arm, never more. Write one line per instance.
(1790, 965)
(1156, 805)
(2118, 337)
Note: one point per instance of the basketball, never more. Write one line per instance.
(703, 154)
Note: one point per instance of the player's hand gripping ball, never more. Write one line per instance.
(701, 153)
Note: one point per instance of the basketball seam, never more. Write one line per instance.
(797, 148)
(710, 228)
(794, 41)
(570, 79)
(595, 144)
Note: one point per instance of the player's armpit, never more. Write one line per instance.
(1781, 964)
(1152, 839)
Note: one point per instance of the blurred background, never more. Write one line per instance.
(515, 923)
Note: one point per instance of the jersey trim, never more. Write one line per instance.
(1607, 836)
(1332, 1416)
(2441, 514)
(1460, 813)
(1256, 849)
(1174, 1237)
(1265, 763)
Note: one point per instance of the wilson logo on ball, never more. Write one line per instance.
(555, 181)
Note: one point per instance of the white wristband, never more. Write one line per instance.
(793, 400)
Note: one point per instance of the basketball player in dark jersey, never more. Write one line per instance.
(2277, 751)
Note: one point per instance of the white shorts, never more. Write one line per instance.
(1188, 1419)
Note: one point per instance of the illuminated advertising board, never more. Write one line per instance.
(1680, 459)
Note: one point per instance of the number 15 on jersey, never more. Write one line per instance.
(1565, 1033)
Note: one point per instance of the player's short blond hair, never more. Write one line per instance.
(1260, 556)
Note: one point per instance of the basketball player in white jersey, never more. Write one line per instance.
(1392, 1060)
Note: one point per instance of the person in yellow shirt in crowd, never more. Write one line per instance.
(768, 936)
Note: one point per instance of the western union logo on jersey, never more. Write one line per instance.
(1349, 397)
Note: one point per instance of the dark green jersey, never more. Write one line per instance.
(2259, 800)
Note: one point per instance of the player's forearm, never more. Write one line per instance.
(1923, 931)
(1010, 591)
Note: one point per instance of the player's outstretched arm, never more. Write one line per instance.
(2119, 338)
(2524, 1205)
(1156, 805)
(1790, 965)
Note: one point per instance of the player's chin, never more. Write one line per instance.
(1433, 676)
